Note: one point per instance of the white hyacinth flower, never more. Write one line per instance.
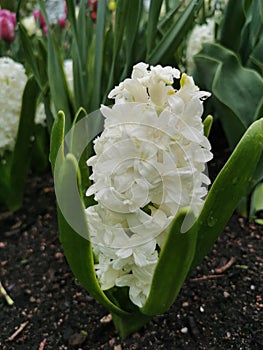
(149, 163)
(201, 34)
(12, 80)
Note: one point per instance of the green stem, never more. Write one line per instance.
(129, 324)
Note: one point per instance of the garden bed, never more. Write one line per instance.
(219, 307)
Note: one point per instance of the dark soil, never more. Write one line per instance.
(219, 307)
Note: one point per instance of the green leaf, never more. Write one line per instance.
(154, 13)
(256, 204)
(207, 125)
(172, 267)
(40, 148)
(131, 30)
(20, 159)
(233, 21)
(57, 80)
(121, 14)
(229, 187)
(256, 57)
(74, 233)
(29, 53)
(176, 33)
(57, 140)
(236, 90)
(98, 55)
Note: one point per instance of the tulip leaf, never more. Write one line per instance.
(233, 21)
(236, 90)
(231, 184)
(172, 267)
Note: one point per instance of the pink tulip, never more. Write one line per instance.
(39, 17)
(7, 29)
(62, 22)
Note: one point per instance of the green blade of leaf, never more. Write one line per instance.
(256, 204)
(229, 187)
(73, 230)
(172, 267)
(207, 125)
(29, 53)
(57, 80)
(131, 30)
(233, 21)
(154, 13)
(98, 55)
(238, 88)
(175, 34)
(122, 7)
(22, 150)
(57, 140)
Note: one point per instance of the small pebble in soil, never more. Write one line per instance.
(106, 319)
(184, 330)
(226, 294)
(77, 339)
(117, 347)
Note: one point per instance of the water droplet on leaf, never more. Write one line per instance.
(211, 221)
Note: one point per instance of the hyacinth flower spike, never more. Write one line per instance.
(149, 222)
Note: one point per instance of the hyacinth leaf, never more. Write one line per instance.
(131, 30)
(18, 164)
(154, 13)
(168, 18)
(77, 246)
(98, 55)
(256, 205)
(29, 53)
(56, 76)
(207, 125)
(175, 33)
(57, 140)
(230, 185)
(57, 80)
(76, 148)
(172, 268)
(130, 323)
(39, 158)
(72, 15)
(67, 176)
(81, 40)
(122, 7)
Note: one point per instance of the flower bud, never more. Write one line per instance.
(7, 29)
